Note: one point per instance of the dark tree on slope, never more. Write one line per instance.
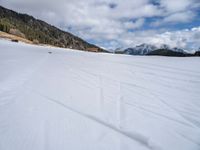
(35, 29)
(166, 52)
(197, 53)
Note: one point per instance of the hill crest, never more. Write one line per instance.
(38, 31)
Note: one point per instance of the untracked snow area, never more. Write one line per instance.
(89, 101)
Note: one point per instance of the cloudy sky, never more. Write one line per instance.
(120, 23)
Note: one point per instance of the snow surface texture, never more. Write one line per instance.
(87, 101)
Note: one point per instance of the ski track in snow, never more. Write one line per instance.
(81, 101)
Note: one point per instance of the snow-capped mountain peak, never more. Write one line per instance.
(144, 49)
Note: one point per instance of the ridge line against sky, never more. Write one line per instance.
(120, 23)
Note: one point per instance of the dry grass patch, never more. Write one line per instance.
(14, 37)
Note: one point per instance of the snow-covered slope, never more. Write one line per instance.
(88, 101)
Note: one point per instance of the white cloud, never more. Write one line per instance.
(180, 17)
(177, 11)
(187, 38)
(134, 25)
(172, 6)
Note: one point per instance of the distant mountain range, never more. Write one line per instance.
(163, 50)
(39, 31)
